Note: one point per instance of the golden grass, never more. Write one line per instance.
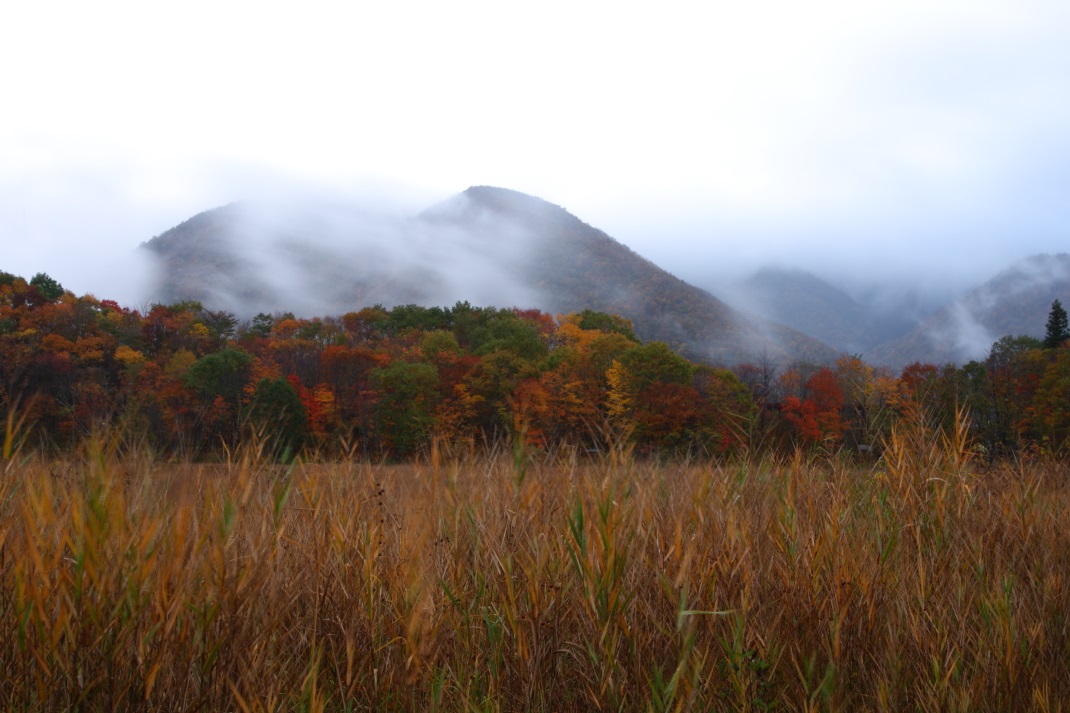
(920, 583)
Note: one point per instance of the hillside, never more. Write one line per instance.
(197, 256)
(575, 266)
(850, 323)
(805, 302)
(250, 258)
(1014, 302)
(485, 245)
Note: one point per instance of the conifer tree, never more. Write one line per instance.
(1057, 332)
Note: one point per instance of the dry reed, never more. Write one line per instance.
(918, 583)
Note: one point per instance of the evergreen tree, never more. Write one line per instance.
(1058, 331)
(261, 325)
(47, 286)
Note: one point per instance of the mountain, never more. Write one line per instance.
(1014, 302)
(308, 259)
(486, 245)
(193, 258)
(805, 302)
(853, 324)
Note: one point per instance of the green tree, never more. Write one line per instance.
(506, 332)
(590, 319)
(277, 414)
(261, 325)
(437, 342)
(655, 362)
(53, 290)
(221, 326)
(404, 318)
(1058, 331)
(729, 408)
(494, 380)
(222, 374)
(1005, 350)
(220, 380)
(1050, 409)
(409, 393)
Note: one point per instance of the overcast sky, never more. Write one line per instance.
(914, 137)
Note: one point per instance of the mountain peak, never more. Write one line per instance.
(479, 201)
(485, 192)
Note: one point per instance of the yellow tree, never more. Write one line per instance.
(865, 398)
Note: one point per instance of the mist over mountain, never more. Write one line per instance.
(313, 256)
(488, 246)
(494, 246)
(1015, 302)
(803, 301)
(854, 323)
(897, 327)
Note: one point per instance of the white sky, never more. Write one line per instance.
(927, 137)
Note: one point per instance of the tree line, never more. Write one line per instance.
(378, 382)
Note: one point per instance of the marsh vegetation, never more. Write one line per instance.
(922, 581)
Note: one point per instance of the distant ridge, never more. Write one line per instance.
(1015, 302)
(805, 302)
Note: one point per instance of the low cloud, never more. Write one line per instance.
(317, 255)
(962, 335)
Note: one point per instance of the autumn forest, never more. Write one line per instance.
(389, 382)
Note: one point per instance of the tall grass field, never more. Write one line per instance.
(924, 581)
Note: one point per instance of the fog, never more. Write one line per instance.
(966, 338)
(313, 252)
(905, 151)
